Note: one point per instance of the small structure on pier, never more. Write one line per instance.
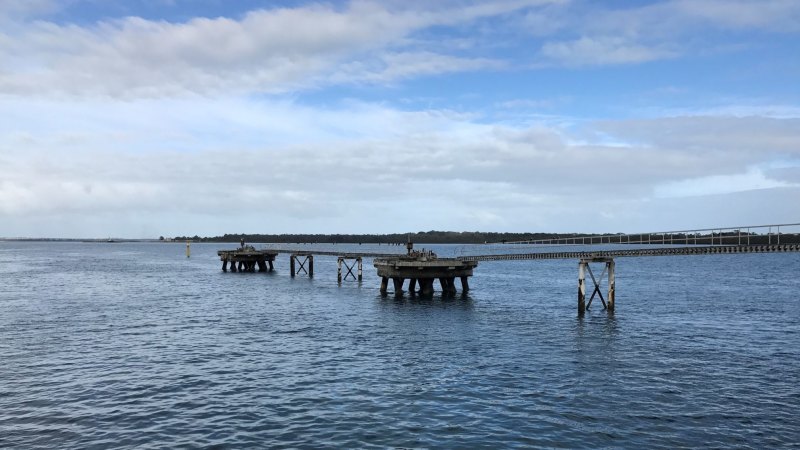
(246, 259)
(423, 268)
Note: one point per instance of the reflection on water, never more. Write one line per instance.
(136, 345)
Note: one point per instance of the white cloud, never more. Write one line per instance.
(588, 51)
(768, 15)
(16, 9)
(752, 179)
(304, 167)
(274, 50)
(653, 31)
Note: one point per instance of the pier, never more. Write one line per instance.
(423, 268)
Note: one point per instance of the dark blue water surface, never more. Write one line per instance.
(134, 345)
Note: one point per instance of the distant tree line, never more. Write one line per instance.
(479, 237)
(420, 237)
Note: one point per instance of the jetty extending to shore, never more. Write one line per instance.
(423, 268)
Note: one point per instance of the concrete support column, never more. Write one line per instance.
(464, 284)
(271, 267)
(224, 265)
(426, 286)
(398, 285)
(384, 285)
(412, 285)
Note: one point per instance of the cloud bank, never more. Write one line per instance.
(308, 119)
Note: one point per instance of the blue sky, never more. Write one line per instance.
(158, 117)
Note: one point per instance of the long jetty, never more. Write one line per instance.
(422, 268)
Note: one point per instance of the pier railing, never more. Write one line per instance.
(742, 235)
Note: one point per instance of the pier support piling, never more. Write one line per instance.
(384, 285)
(301, 263)
(582, 287)
(349, 269)
(609, 268)
(611, 285)
(426, 286)
(398, 285)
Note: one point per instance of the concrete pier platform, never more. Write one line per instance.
(423, 269)
(247, 259)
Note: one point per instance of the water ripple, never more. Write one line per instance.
(139, 347)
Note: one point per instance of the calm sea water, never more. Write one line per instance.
(134, 345)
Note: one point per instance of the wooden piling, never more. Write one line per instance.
(291, 265)
(611, 285)
(360, 269)
(339, 270)
(581, 288)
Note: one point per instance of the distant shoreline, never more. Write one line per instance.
(426, 237)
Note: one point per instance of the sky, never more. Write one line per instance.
(147, 118)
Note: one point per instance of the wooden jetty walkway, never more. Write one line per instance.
(621, 253)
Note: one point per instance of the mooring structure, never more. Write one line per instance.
(424, 268)
(247, 259)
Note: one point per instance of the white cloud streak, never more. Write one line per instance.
(267, 51)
